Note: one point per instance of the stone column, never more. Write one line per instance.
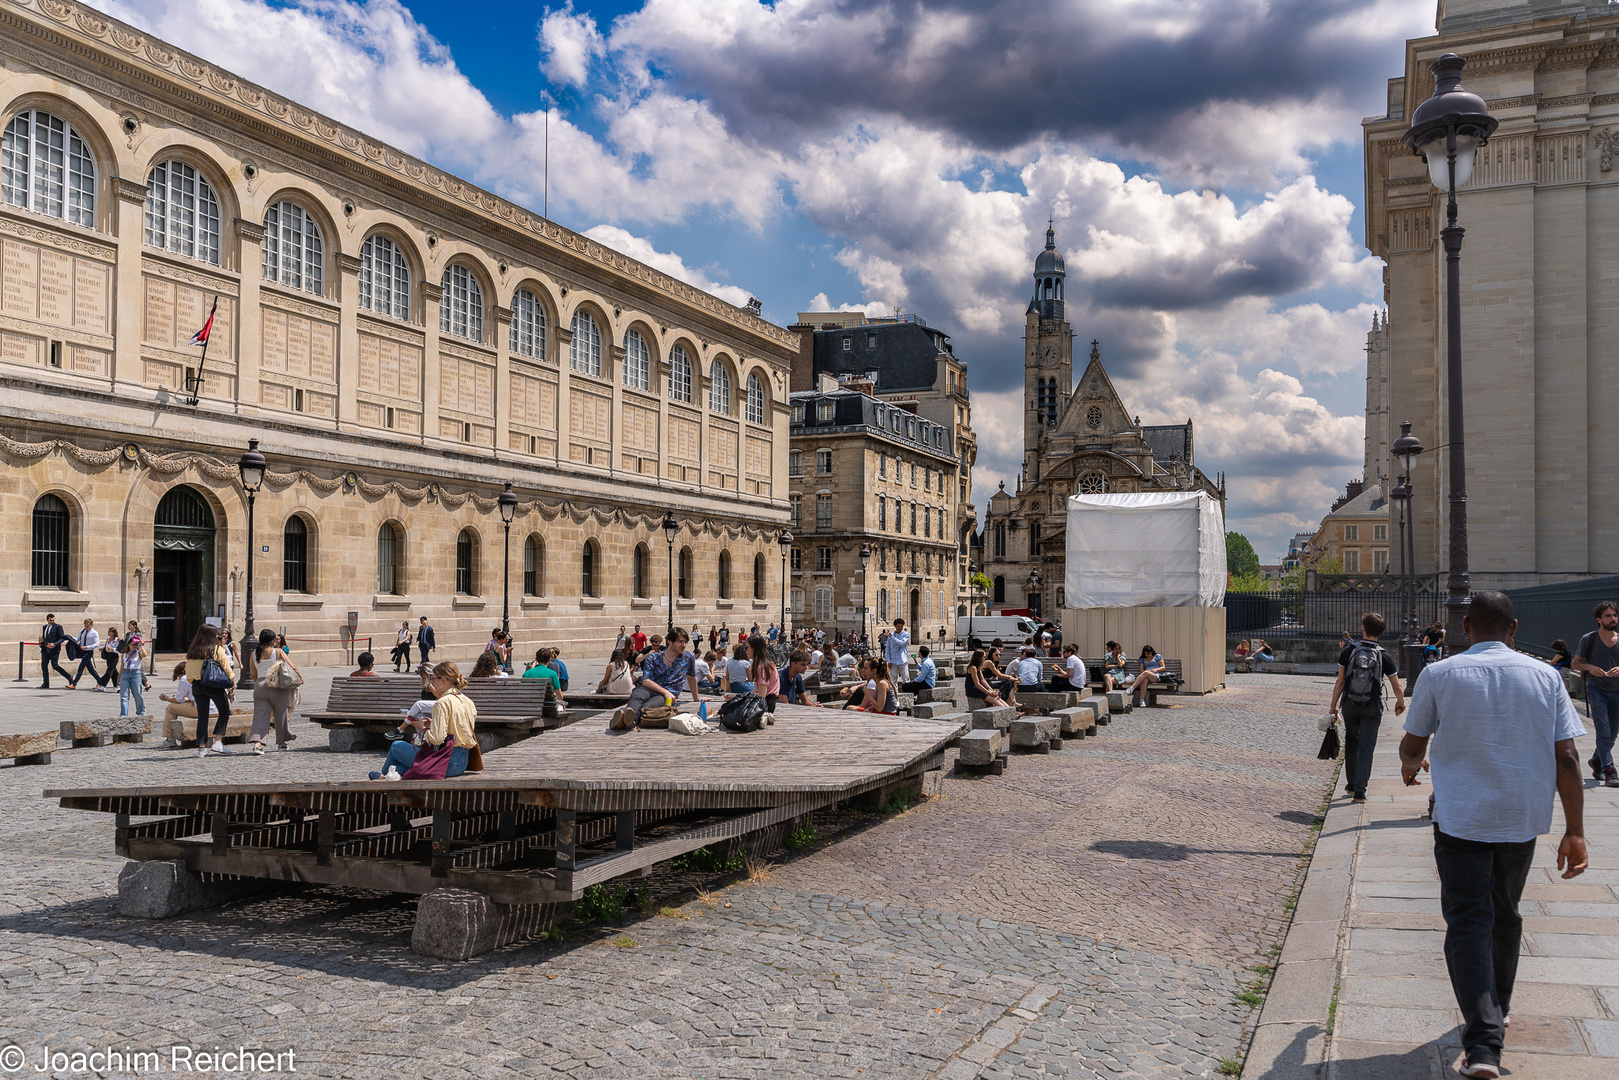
(348, 340)
(249, 325)
(127, 302)
(432, 295)
(503, 382)
(615, 375)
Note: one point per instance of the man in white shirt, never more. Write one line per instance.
(1030, 673)
(1072, 676)
(897, 651)
(89, 640)
(1503, 734)
(815, 658)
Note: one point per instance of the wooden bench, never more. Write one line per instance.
(1170, 682)
(507, 708)
(29, 748)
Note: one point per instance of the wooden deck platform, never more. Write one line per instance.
(543, 821)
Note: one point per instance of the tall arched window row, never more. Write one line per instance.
(47, 168)
(637, 362)
(466, 563)
(293, 253)
(642, 577)
(685, 568)
(759, 576)
(52, 524)
(755, 400)
(679, 375)
(585, 350)
(719, 389)
(182, 212)
(384, 278)
(461, 311)
(533, 567)
(528, 325)
(725, 575)
(390, 560)
(295, 556)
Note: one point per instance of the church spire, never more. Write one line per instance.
(1051, 234)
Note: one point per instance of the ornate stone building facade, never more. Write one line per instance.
(1077, 438)
(867, 473)
(1540, 328)
(400, 342)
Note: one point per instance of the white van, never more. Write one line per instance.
(1011, 629)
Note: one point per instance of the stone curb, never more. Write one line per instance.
(1290, 1039)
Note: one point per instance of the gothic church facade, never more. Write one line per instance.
(1078, 438)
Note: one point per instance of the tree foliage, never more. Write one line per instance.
(1240, 557)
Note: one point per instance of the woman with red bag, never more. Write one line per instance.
(449, 738)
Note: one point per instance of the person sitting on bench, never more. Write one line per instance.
(1072, 675)
(1113, 676)
(1030, 672)
(1152, 671)
(926, 673)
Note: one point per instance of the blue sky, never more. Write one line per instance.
(1202, 159)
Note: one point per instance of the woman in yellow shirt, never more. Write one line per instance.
(454, 716)
(205, 647)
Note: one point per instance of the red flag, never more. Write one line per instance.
(201, 336)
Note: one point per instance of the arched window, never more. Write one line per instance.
(295, 556)
(642, 571)
(47, 168)
(182, 213)
(587, 570)
(384, 278)
(684, 565)
(637, 362)
(461, 310)
(585, 350)
(466, 563)
(725, 575)
(679, 375)
(528, 325)
(882, 605)
(293, 254)
(756, 400)
(719, 389)
(759, 577)
(533, 567)
(390, 560)
(1000, 589)
(51, 531)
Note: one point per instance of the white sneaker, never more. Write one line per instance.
(391, 774)
(169, 744)
(219, 748)
(258, 748)
(202, 751)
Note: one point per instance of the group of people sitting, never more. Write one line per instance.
(989, 684)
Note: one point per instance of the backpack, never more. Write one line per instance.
(1365, 672)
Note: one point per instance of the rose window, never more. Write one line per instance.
(1093, 416)
(1093, 483)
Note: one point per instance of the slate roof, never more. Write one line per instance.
(853, 410)
(903, 354)
(1370, 501)
(1169, 442)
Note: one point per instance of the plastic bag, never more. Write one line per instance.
(687, 724)
(1325, 722)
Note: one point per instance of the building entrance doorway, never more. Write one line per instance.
(916, 609)
(183, 568)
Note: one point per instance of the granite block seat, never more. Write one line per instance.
(999, 717)
(100, 732)
(983, 750)
(1099, 704)
(28, 747)
(1046, 702)
(1037, 733)
(1077, 722)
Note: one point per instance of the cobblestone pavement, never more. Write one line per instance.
(1090, 913)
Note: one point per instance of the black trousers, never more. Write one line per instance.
(913, 686)
(1059, 684)
(220, 700)
(1480, 885)
(51, 658)
(1361, 721)
(87, 662)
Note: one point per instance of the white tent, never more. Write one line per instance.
(1158, 549)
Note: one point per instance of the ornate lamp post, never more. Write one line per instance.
(251, 467)
(1407, 447)
(785, 539)
(670, 527)
(1446, 132)
(865, 557)
(508, 511)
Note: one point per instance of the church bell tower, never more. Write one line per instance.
(1048, 355)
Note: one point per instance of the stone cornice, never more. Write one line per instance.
(121, 47)
(130, 191)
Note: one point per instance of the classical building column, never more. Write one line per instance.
(249, 322)
(128, 306)
(432, 296)
(348, 340)
(503, 379)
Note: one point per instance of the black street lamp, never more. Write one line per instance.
(865, 557)
(785, 539)
(251, 468)
(670, 527)
(508, 510)
(1407, 447)
(972, 603)
(1446, 132)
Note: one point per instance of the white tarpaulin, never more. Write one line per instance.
(1158, 549)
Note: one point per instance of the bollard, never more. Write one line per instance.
(20, 648)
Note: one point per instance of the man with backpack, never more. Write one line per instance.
(1362, 667)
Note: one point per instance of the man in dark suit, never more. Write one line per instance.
(425, 641)
(51, 637)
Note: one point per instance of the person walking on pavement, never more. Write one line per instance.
(1503, 733)
(1362, 667)
(897, 651)
(131, 679)
(51, 637)
(1597, 659)
(425, 641)
(89, 641)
